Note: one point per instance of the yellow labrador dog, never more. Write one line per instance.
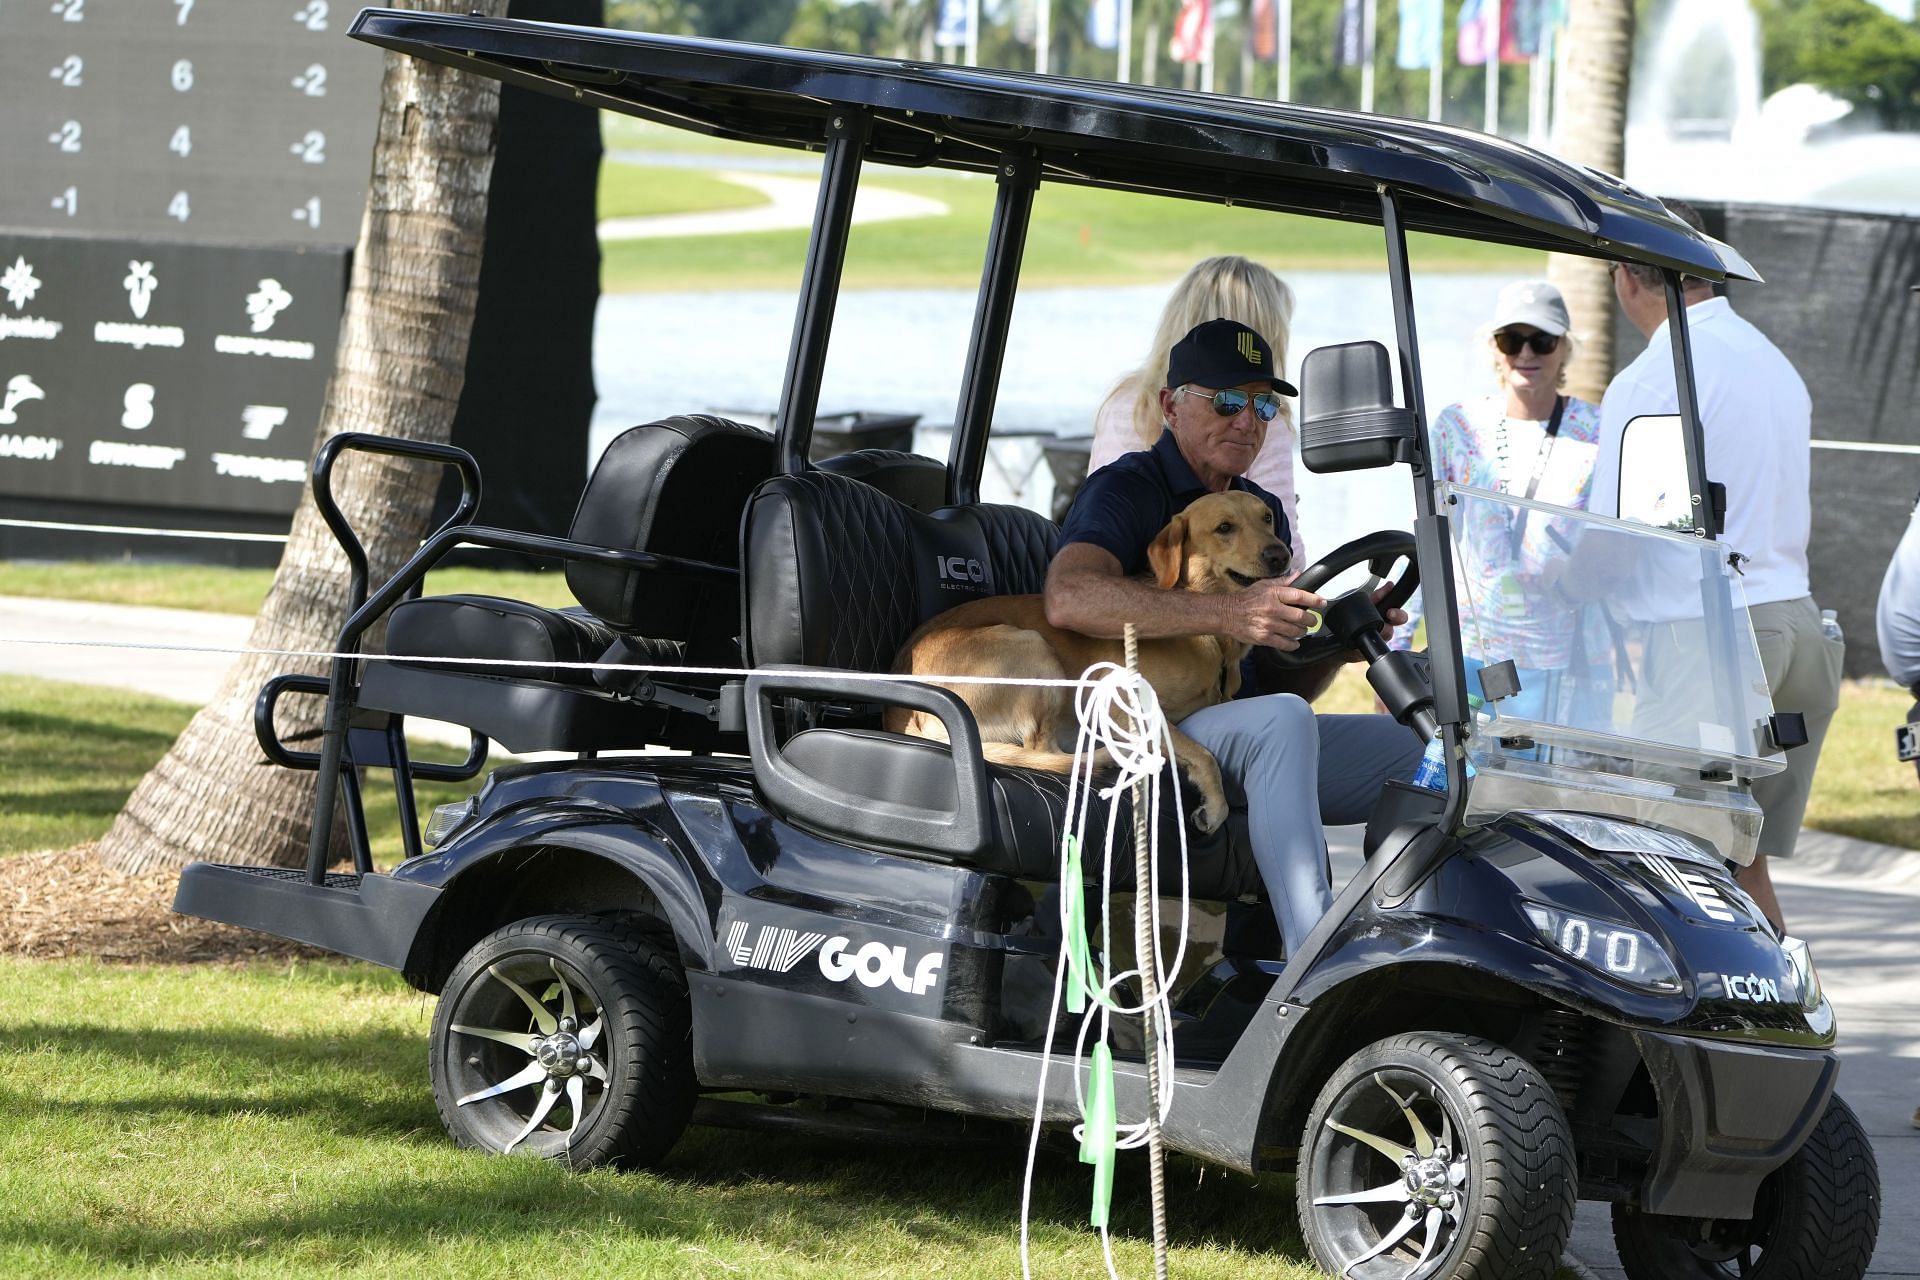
(1222, 542)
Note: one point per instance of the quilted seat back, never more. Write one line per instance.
(837, 574)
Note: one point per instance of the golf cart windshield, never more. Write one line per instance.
(1635, 660)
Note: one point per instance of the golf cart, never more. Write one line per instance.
(1543, 982)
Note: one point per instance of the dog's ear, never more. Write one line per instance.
(1167, 557)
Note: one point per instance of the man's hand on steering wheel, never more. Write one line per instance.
(1275, 614)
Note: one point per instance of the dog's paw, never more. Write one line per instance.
(1210, 815)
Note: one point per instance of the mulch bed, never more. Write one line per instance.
(68, 904)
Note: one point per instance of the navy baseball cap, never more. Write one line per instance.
(1224, 353)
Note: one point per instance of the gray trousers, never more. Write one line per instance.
(1293, 771)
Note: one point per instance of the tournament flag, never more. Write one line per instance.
(1350, 35)
(1521, 24)
(1419, 35)
(952, 31)
(1263, 38)
(1103, 24)
(1192, 32)
(1472, 45)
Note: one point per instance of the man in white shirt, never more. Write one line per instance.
(1897, 615)
(1757, 417)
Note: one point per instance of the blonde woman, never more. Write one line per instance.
(1231, 288)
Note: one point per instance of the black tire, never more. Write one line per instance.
(1497, 1206)
(1816, 1217)
(615, 1089)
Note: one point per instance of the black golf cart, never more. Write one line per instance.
(1543, 983)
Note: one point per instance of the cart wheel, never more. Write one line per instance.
(565, 1037)
(1431, 1154)
(1816, 1217)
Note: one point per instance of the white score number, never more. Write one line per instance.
(312, 15)
(68, 201)
(177, 208)
(312, 149)
(182, 76)
(181, 143)
(312, 81)
(71, 10)
(309, 213)
(68, 72)
(185, 7)
(66, 137)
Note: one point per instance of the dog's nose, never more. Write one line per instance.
(1275, 559)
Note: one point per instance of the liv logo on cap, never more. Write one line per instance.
(1247, 349)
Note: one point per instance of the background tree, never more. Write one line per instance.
(400, 366)
(1851, 48)
(1593, 132)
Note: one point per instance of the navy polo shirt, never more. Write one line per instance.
(1125, 504)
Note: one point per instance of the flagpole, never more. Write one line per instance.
(1126, 41)
(973, 33)
(1439, 55)
(1539, 80)
(1043, 38)
(1492, 12)
(1368, 12)
(1283, 49)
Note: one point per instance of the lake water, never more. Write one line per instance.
(902, 351)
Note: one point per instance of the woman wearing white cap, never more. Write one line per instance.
(1531, 439)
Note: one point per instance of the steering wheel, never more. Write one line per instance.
(1352, 616)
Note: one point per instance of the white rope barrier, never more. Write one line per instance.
(785, 673)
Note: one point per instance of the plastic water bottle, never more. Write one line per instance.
(1830, 626)
(1431, 772)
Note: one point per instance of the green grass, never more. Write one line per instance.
(1077, 236)
(633, 191)
(71, 754)
(1860, 788)
(277, 1120)
(219, 589)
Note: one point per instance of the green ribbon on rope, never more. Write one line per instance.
(1097, 1139)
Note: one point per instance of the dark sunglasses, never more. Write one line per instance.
(1510, 342)
(1266, 404)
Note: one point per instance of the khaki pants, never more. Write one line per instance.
(1803, 670)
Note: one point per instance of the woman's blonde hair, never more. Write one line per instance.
(1227, 287)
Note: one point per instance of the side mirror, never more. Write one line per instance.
(1653, 473)
(1348, 421)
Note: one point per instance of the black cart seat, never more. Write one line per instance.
(674, 488)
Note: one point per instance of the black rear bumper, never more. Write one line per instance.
(371, 917)
(1729, 1115)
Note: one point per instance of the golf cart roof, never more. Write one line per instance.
(1170, 142)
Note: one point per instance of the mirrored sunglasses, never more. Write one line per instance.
(1510, 342)
(1266, 404)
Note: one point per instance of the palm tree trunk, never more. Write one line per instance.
(1599, 41)
(400, 365)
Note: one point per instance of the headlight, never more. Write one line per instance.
(1801, 957)
(1620, 952)
(1615, 836)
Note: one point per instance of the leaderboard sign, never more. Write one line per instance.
(183, 180)
(156, 374)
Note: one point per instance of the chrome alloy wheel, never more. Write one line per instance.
(1408, 1191)
(530, 1063)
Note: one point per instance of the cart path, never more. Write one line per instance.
(1858, 903)
(789, 207)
